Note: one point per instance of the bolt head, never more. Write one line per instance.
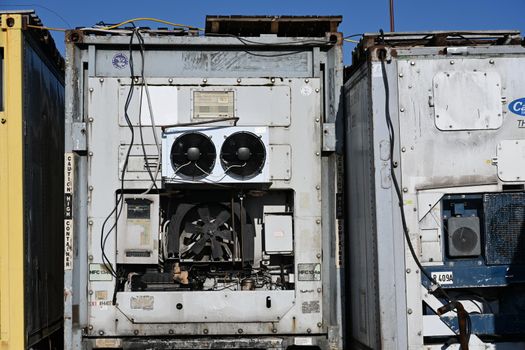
(402, 109)
(319, 324)
(451, 62)
(412, 63)
(308, 330)
(204, 80)
(274, 330)
(401, 75)
(317, 222)
(317, 90)
(90, 120)
(101, 80)
(272, 80)
(306, 81)
(491, 61)
(90, 89)
(405, 189)
(205, 331)
(409, 311)
(238, 80)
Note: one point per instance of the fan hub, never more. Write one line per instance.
(193, 153)
(244, 153)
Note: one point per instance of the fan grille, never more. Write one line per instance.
(193, 155)
(505, 228)
(464, 239)
(243, 155)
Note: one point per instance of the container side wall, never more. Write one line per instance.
(11, 188)
(43, 205)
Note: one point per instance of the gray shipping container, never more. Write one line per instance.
(445, 111)
(203, 184)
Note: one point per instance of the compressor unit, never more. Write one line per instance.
(205, 184)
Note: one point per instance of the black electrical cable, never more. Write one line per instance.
(146, 163)
(120, 196)
(391, 134)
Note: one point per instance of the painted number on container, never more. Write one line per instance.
(446, 277)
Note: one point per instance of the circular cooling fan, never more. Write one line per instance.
(243, 155)
(464, 239)
(193, 155)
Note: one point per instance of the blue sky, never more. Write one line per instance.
(358, 16)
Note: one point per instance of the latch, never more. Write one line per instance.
(78, 133)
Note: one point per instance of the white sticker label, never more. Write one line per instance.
(306, 90)
(303, 341)
(69, 163)
(446, 277)
(99, 272)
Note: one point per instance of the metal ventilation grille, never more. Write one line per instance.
(505, 228)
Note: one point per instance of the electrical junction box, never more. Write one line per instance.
(278, 237)
(138, 229)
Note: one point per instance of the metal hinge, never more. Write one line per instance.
(78, 134)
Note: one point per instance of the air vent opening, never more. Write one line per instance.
(193, 155)
(243, 155)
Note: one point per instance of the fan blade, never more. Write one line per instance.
(221, 218)
(204, 213)
(199, 245)
(193, 228)
(216, 249)
(225, 235)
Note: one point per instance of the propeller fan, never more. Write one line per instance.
(193, 155)
(207, 233)
(243, 155)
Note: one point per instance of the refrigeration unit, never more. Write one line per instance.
(205, 185)
(435, 150)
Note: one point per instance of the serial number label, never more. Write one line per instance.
(446, 277)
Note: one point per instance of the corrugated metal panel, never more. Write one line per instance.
(31, 150)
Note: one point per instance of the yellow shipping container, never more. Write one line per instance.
(31, 178)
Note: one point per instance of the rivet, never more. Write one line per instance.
(317, 153)
(238, 80)
(318, 255)
(419, 333)
(101, 80)
(272, 80)
(90, 257)
(396, 164)
(491, 61)
(306, 81)
(136, 80)
(318, 221)
(319, 324)
(403, 149)
(170, 80)
(451, 62)
(317, 187)
(402, 109)
(136, 332)
(91, 154)
(240, 330)
(205, 81)
(317, 120)
(412, 63)
(90, 292)
(308, 330)
(90, 120)
(409, 311)
(90, 89)
(274, 330)
(319, 290)
(171, 331)
(405, 189)
(90, 327)
(401, 75)
(91, 188)
(3, 120)
(205, 331)
(317, 90)
(408, 270)
(101, 332)
(91, 222)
